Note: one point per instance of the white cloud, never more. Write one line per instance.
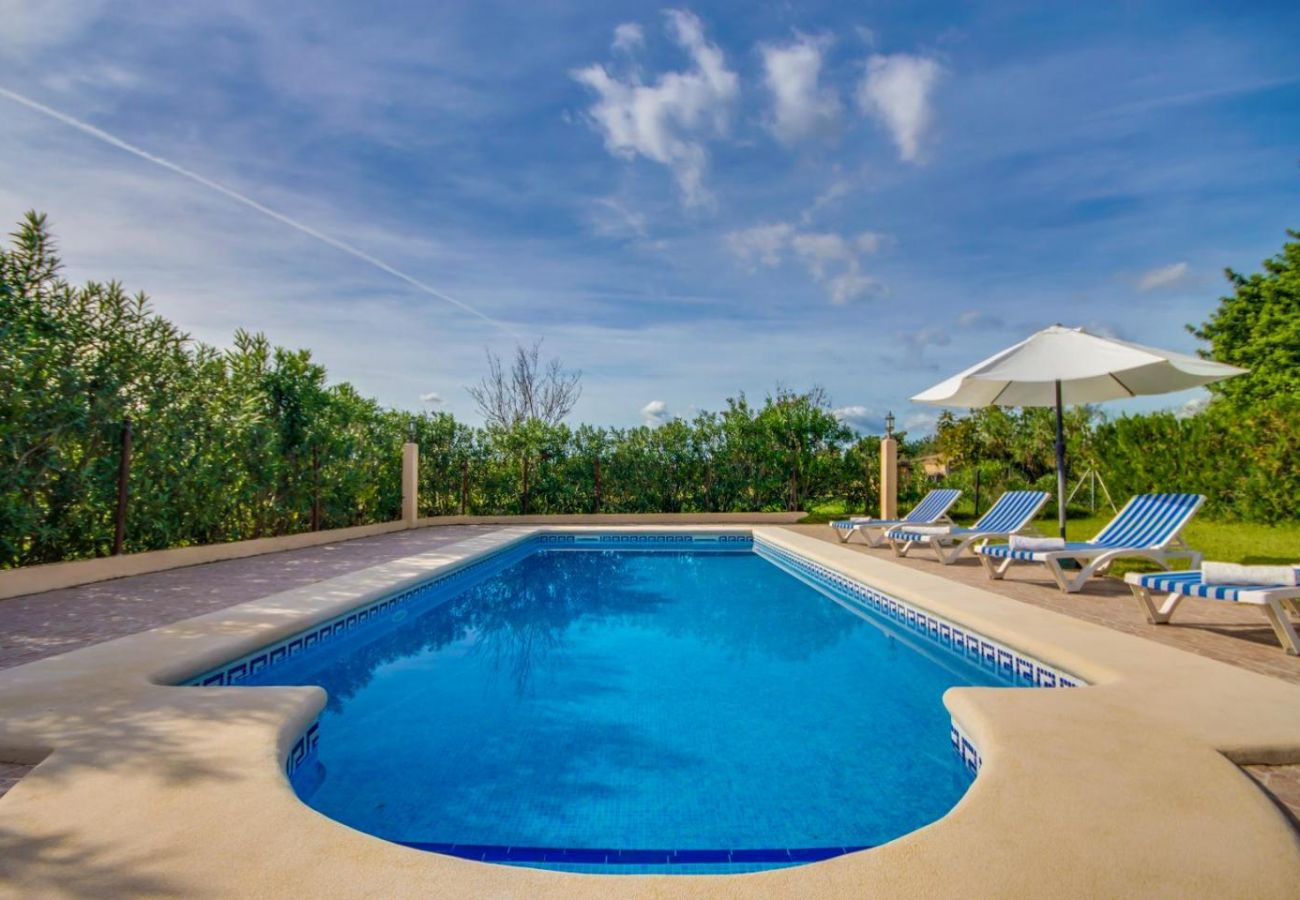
(837, 189)
(1194, 406)
(628, 37)
(833, 260)
(913, 345)
(836, 262)
(1162, 277)
(801, 108)
(871, 241)
(32, 27)
(897, 91)
(655, 413)
(850, 285)
(920, 422)
(822, 249)
(862, 419)
(978, 318)
(433, 398)
(92, 77)
(613, 218)
(760, 244)
(668, 120)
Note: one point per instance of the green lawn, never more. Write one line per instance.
(1241, 542)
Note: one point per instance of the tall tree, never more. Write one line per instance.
(1258, 327)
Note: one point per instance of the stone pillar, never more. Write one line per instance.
(410, 482)
(888, 478)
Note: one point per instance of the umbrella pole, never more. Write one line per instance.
(1060, 462)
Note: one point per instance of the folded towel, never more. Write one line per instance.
(929, 529)
(1037, 544)
(1234, 573)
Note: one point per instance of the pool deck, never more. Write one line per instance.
(1232, 633)
(1129, 787)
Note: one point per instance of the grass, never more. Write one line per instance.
(1242, 542)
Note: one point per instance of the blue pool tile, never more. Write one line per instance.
(639, 857)
(578, 855)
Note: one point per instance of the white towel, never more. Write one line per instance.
(1234, 573)
(1037, 544)
(928, 529)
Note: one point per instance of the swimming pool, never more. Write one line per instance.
(618, 703)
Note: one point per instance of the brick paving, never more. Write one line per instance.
(39, 625)
(1282, 783)
(10, 773)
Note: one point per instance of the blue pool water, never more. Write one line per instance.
(601, 709)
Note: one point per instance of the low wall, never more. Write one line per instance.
(780, 518)
(53, 576)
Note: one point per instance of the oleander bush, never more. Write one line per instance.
(253, 441)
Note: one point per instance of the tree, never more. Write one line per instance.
(525, 405)
(803, 438)
(528, 391)
(1258, 327)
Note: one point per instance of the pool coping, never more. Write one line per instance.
(1125, 786)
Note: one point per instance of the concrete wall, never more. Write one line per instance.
(53, 576)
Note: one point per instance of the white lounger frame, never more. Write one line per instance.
(874, 532)
(1099, 561)
(1273, 600)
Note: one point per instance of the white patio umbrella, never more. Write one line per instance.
(1059, 365)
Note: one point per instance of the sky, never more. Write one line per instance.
(685, 203)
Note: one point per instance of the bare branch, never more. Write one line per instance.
(528, 391)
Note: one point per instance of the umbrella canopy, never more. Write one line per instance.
(1059, 365)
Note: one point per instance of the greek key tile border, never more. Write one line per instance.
(618, 540)
(965, 749)
(303, 749)
(990, 654)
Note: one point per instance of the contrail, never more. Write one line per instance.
(114, 141)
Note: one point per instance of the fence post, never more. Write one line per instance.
(315, 488)
(888, 477)
(123, 476)
(410, 482)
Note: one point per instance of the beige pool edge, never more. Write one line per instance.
(1127, 787)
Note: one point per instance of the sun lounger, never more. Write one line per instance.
(932, 508)
(1148, 527)
(1181, 585)
(1011, 514)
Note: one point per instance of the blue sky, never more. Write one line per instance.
(685, 202)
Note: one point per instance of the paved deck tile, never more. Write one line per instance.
(39, 625)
